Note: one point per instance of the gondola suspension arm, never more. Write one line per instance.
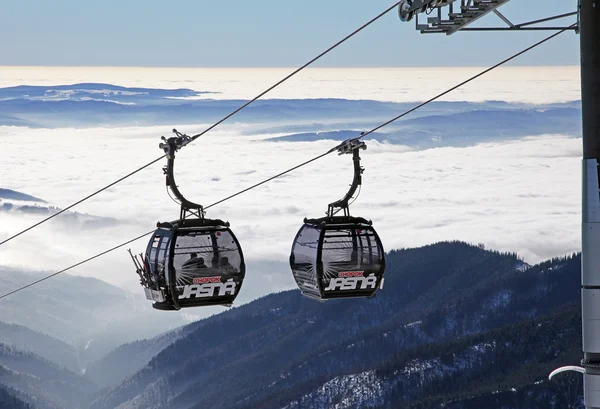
(170, 146)
(352, 145)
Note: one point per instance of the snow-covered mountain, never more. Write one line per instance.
(445, 307)
(502, 368)
(455, 326)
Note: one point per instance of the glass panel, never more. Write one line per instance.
(205, 254)
(350, 251)
(228, 257)
(370, 251)
(162, 255)
(150, 261)
(152, 253)
(304, 254)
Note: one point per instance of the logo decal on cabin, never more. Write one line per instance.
(204, 280)
(351, 274)
(352, 282)
(208, 290)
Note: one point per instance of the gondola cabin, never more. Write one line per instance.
(338, 257)
(193, 263)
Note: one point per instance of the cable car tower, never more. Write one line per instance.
(451, 16)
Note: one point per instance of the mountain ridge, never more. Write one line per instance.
(429, 284)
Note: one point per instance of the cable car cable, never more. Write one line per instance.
(193, 138)
(295, 167)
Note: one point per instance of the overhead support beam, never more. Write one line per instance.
(501, 16)
(452, 16)
(573, 28)
(543, 20)
(472, 13)
(438, 25)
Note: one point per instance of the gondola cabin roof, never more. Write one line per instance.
(191, 223)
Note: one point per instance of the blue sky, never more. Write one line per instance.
(261, 33)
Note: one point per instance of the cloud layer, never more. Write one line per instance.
(521, 195)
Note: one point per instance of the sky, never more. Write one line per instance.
(263, 33)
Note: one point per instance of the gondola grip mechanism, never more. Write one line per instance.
(349, 145)
(174, 143)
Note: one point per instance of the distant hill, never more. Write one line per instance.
(437, 124)
(92, 316)
(93, 91)
(284, 350)
(52, 349)
(458, 128)
(14, 195)
(127, 359)
(9, 401)
(17, 203)
(36, 379)
(318, 136)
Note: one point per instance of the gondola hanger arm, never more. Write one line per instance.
(170, 146)
(349, 146)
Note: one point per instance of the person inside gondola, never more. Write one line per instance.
(226, 266)
(194, 262)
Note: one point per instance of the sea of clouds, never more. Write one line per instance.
(520, 195)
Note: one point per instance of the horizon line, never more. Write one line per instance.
(287, 67)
